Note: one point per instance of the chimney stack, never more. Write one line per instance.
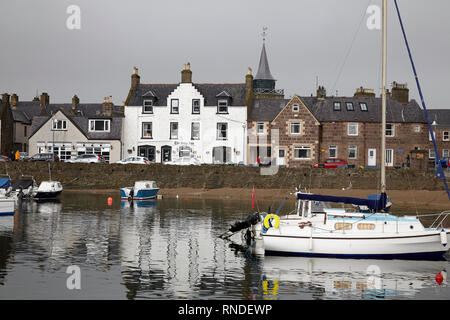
(400, 92)
(321, 92)
(107, 107)
(135, 78)
(5, 99)
(14, 100)
(186, 74)
(364, 92)
(75, 102)
(249, 95)
(45, 99)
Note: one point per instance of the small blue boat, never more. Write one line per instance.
(142, 190)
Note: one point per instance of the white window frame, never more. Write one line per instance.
(350, 106)
(335, 104)
(416, 128)
(222, 103)
(363, 109)
(151, 130)
(308, 148)
(194, 106)
(260, 130)
(392, 130)
(219, 133)
(291, 126)
(295, 108)
(333, 147)
(355, 125)
(197, 137)
(173, 136)
(431, 154)
(174, 106)
(444, 138)
(445, 153)
(147, 103)
(355, 149)
(55, 125)
(106, 125)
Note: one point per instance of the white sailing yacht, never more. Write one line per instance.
(370, 232)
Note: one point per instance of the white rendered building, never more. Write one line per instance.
(201, 120)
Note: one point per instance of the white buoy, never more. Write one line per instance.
(443, 237)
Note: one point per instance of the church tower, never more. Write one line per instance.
(264, 82)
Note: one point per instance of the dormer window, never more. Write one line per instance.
(350, 106)
(337, 106)
(363, 106)
(222, 106)
(147, 106)
(174, 106)
(99, 125)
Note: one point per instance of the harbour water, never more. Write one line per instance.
(170, 249)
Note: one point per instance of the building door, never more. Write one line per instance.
(221, 154)
(281, 160)
(389, 157)
(372, 157)
(166, 154)
(147, 152)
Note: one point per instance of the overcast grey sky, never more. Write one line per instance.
(306, 39)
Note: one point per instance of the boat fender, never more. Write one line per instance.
(267, 221)
(443, 237)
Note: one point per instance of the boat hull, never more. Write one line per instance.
(47, 195)
(142, 194)
(7, 207)
(419, 246)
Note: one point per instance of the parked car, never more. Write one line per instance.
(86, 158)
(135, 160)
(44, 157)
(24, 156)
(332, 163)
(184, 161)
(445, 162)
(4, 158)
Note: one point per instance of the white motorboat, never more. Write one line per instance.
(142, 190)
(48, 190)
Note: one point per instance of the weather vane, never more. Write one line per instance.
(264, 33)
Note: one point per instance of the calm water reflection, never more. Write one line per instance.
(169, 249)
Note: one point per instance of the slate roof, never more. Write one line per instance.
(209, 91)
(80, 118)
(266, 109)
(323, 110)
(441, 116)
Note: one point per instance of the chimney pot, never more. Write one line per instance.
(45, 99)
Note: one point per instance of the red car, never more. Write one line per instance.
(332, 163)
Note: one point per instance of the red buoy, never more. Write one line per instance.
(109, 201)
(439, 278)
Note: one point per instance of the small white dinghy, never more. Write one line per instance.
(7, 206)
(48, 190)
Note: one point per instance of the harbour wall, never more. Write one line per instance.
(114, 176)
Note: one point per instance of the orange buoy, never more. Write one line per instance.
(109, 201)
(187, 199)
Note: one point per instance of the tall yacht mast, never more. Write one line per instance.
(383, 100)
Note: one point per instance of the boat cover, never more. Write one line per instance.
(22, 183)
(373, 203)
(5, 183)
